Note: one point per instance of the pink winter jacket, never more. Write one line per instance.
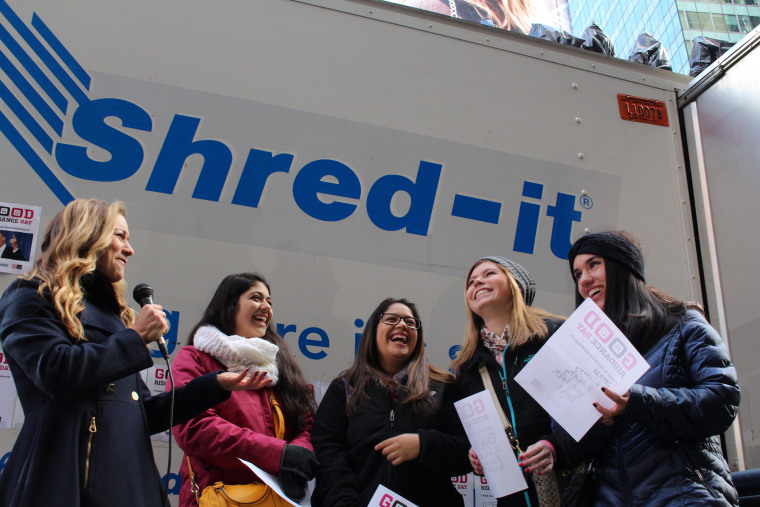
(242, 426)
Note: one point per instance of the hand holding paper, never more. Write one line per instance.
(272, 481)
(609, 414)
(587, 353)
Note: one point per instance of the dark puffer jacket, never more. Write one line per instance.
(664, 449)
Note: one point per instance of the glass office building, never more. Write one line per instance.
(675, 23)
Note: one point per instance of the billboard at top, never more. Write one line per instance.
(513, 15)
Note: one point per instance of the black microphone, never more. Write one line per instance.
(143, 294)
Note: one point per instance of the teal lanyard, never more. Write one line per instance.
(503, 375)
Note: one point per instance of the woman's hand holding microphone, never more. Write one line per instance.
(151, 323)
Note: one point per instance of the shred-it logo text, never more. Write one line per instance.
(47, 89)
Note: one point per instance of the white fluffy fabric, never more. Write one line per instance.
(238, 353)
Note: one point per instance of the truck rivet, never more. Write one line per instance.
(580, 156)
(587, 230)
(542, 52)
(577, 120)
(575, 86)
(584, 192)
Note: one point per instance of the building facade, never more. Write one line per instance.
(675, 23)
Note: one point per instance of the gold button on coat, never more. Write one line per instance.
(110, 388)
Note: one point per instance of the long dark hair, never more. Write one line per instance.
(641, 312)
(297, 397)
(367, 369)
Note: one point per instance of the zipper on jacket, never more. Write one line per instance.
(693, 468)
(392, 421)
(623, 476)
(93, 429)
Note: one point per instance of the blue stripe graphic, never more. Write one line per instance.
(36, 163)
(31, 94)
(475, 208)
(43, 53)
(49, 88)
(61, 51)
(37, 131)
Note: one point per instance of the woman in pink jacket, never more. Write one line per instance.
(234, 334)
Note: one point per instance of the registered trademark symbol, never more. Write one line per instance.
(586, 202)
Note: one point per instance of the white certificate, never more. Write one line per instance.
(489, 440)
(274, 483)
(384, 497)
(586, 353)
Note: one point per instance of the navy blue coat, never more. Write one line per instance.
(88, 414)
(664, 449)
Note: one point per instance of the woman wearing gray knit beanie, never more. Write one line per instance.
(503, 332)
(658, 444)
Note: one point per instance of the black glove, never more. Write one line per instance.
(298, 466)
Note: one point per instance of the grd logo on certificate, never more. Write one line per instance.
(586, 353)
(384, 497)
(603, 338)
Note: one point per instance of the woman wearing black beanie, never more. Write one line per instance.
(659, 444)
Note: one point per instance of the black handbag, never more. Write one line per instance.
(579, 492)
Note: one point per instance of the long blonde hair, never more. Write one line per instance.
(74, 239)
(516, 15)
(525, 322)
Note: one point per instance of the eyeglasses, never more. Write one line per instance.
(393, 319)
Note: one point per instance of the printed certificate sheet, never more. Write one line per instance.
(586, 353)
(489, 440)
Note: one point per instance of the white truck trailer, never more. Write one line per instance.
(352, 150)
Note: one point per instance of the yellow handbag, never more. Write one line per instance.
(235, 495)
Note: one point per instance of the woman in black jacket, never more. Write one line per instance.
(388, 420)
(75, 350)
(503, 332)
